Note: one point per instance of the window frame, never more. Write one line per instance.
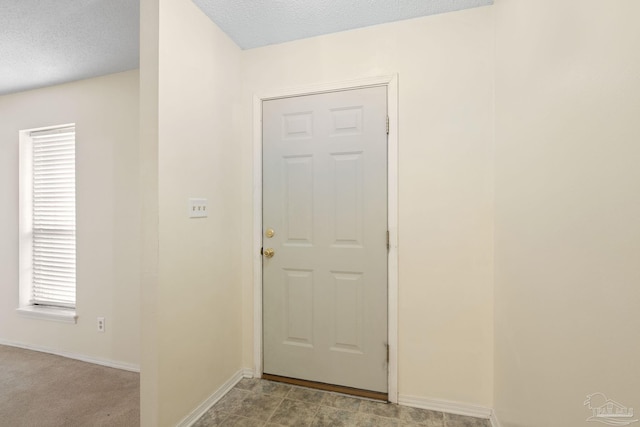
(25, 219)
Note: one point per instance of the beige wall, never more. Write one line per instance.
(194, 316)
(105, 111)
(567, 208)
(445, 67)
(149, 75)
(567, 101)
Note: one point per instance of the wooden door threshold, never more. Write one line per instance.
(329, 387)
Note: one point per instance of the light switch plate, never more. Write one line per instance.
(197, 208)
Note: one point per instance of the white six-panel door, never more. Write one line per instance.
(325, 208)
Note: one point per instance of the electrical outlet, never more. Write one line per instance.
(100, 324)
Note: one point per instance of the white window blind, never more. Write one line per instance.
(54, 218)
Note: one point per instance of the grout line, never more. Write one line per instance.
(274, 410)
(315, 414)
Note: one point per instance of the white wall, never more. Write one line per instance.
(193, 310)
(445, 67)
(105, 111)
(567, 208)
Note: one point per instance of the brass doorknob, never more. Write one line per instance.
(268, 253)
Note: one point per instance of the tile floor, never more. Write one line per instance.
(255, 402)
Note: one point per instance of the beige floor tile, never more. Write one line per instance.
(333, 417)
(248, 384)
(294, 413)
(451, 420)
(236, 421)
(388, 410)
(257, 405)
(341, 402)
(306, 395)
(272, 388)
(231, 401)
(211, 418)
(369, 420)
(421, 416)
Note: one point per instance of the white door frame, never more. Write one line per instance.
(391, 82)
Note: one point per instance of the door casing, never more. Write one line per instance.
(391, 82)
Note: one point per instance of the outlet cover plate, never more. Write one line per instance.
(197, 208)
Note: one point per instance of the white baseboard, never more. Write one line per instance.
(494, 419)
(247, 373)
(195, 415)
(104, 362)
(447, 406)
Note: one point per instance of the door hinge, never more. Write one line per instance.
(387, 125)
(387, 353)
(388, 242)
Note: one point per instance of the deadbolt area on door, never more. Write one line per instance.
(269, 233)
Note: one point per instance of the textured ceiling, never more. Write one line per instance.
(46, 42)
(253, 23)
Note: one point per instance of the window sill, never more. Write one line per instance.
(64, 315)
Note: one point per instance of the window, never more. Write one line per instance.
(48, 223)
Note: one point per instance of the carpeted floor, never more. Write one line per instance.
(44, 390)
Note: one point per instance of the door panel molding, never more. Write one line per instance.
(391, 82)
